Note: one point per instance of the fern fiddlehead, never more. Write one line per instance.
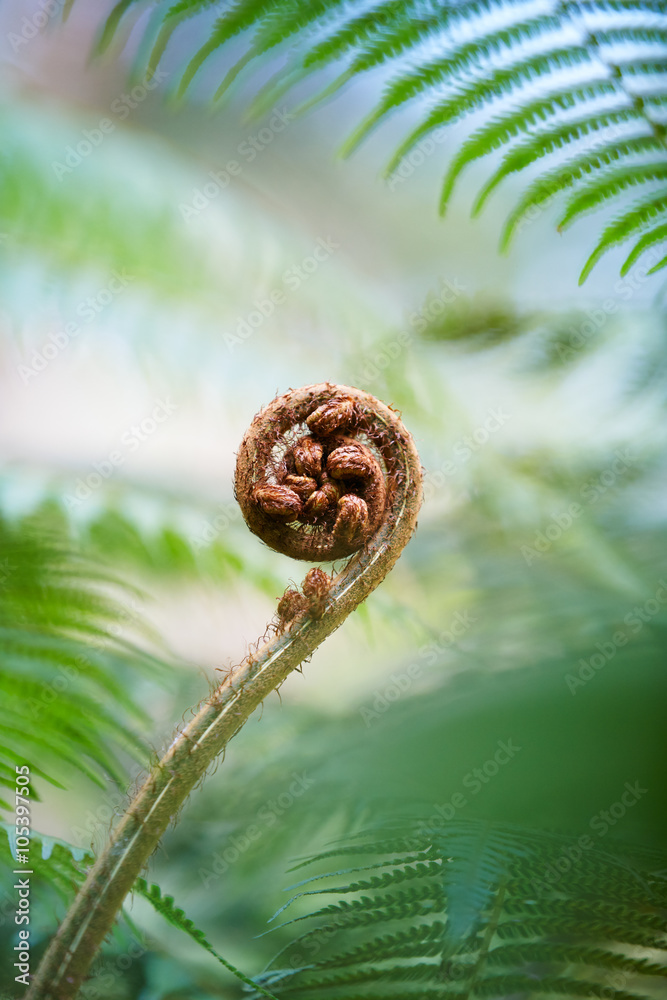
(362, 499)
(318, 495)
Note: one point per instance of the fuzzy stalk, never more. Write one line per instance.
(91, 916)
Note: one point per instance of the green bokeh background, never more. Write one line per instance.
(525, 395)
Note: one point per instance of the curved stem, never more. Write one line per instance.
(148, 815)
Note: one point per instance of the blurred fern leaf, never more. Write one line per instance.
(65, 704)
(175, 916)
(544, 920)
(91, 218)
(54, 861)
(584, 81)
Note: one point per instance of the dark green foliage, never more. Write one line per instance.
(52, 861)
(55, 871)
(478, 325)
(176, 917)
(585, 82)
(64, 661)
(474, 909)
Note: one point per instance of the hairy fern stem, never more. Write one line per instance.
(92, 914)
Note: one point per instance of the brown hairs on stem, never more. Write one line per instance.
(324, 472)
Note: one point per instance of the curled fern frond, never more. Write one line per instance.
(349, 470)
(449, 61)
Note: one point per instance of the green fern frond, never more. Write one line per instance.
(621, 6)
(659, 266)
(195, 64)
(52, 861)
(642, 67)
(112, 23)
(608, 184)
(398, 33)
(239, 17)
(476, 855)
(566, 176)
(409, 28)
(626, 226)
(544, 143)
(235, 20)
(321, 34)
(393, 35)
(174, 17)
(291, 18)
(628, 33)
(185, 538)
(65, 704)
(503, 82)
(164, 905)
(465, 58)
(656, 235)
(496, 910)
(502, 128)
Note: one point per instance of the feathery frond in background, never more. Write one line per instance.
(477, 909)
(52, 861)
(65, 706)
(575, 89)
